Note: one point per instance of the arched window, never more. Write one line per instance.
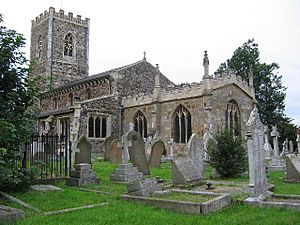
(88, 93)
(97, 127)
(140, 123)
(55, 103)
(182, 125)
(39, 47)
(68, 45)
(232, 118)
(71, 99)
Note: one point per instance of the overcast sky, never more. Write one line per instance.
(175, 34)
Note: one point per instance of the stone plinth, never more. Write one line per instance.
(10, 215)
(126, 173)
(82, 174)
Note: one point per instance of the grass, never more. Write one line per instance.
(122, 212)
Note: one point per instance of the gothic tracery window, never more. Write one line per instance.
(182, 127)
(97, 127)
(68, 45)
(232, 117)
(140, 124)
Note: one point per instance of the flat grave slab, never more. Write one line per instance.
(217, 201)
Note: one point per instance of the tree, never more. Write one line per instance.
(17, 95)
(269, 90)
(227, 154)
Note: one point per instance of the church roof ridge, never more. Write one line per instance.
(94, 77)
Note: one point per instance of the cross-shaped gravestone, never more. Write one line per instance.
(125, 144)
(275, 135)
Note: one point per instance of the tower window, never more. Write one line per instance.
(55, 103)
(88, 94)
(140, 124)
(68, 45)
(39, 47)
(232, 118)
(182, 125)
(97, 127)
(71, 99)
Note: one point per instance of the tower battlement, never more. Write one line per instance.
(59, 15)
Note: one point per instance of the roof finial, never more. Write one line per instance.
(206, 64)
(144, 56)
(157, 67)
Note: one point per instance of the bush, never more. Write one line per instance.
(227, 154)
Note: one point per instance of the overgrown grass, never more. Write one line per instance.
(121, 212)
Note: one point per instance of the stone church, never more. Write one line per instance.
(101, 105)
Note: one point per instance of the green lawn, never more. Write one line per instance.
(122, 212)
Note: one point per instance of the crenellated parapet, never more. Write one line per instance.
(189, 90)
(59, 15)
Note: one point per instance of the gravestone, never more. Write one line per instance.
(185, 171)
(206, 138)
(157, 150)
(126, 172)
(298, 143)
(82, 172)
(10, 215)
(144, 187)
(137, 152)
(116, 152)
(267, 146)
(293, 168)
(291, 149)
(257, 171)
(196, 151)
(107, 148)
(276, 163)
(84, 154)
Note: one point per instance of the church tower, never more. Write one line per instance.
(59, 48)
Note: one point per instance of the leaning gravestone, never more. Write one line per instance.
(185, 171)
(116, 152)
(137, 152)
(255, 144)
(293, 168)
(196, 151)
(144, 187)
(82, 172)
(107, 148)
(157, 150)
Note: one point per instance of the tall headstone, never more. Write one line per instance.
(196, 151)
(267, 145)
(126, 172)
(107, 148)
(137, 152)
(291, 145)
(157, 150)
(206, 138)
(255, 142)
(298, 140)
(82, 172)
(276, 163)
(116, 152)
(84, 154)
